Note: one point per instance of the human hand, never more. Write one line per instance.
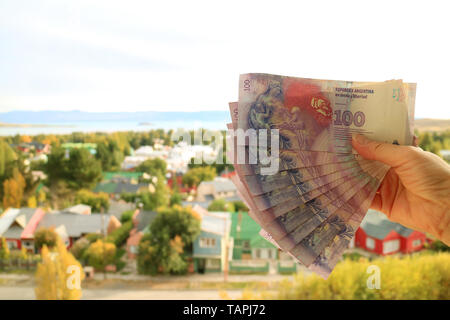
(415, 191)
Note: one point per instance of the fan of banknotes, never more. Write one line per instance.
(290, 143)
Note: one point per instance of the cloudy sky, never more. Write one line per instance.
(187, 55)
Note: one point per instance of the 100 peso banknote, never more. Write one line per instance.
(321, 115)
(313, 203)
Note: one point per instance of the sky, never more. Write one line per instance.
(187, 55)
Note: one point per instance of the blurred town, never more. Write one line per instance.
(132, 207)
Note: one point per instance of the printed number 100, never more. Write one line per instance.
(347, 118)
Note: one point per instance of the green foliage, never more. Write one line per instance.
(45, 236)
(434, 141)
(129, 197)
(118, 262)
(239, 206)
(7, 156)
(79, 249)
(194, 176)
(221, 205)
(4, 249)
(18, 255)
(80, 170)
(121, 234)
(126, 216)
(92, 237)
(110, 155)
(354, 256)
(438, 246)
(97, 201)
(153, 167)
(165, 248)
(157, 199)
(175, 199)
(219, 167)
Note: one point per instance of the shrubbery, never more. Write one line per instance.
(45, 236)
(126, 216)
(422, 276)
(121, 234)
(168, 244)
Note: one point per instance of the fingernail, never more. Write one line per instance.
(361, 139)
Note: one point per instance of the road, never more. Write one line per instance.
(27, 293)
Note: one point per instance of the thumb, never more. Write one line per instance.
(390, 154)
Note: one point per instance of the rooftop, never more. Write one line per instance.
(107, 176)
(245, 228)
(220, 184)
(216, 222)
(21, 216)
(377, 225)
(76, 225)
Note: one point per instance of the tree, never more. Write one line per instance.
(97, 201)
(175, 199)
(13, 190)
(104, 155)
(110, 155)
(158, 198)
(126, 216)
(7, 156)
(194, 176)
(166, 247)
(153, 167)
(83, 170)
(100, 254)
(4, 249)
(240, 206)
(79, 249)
(80, 170)
(41, 196)
(220, 167)
(58, 275)
(119, 236)
(221, 205)
(45, 236)
(32, 202)
(56, 167)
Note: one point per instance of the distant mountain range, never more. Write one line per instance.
(44, 117)
(432, 124)
(151, 117)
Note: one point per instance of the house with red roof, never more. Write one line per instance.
(176, 180)
(17, 226)
(379, 235)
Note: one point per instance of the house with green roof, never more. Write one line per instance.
(251, 252)
(124, 176)
(91, 147)
(247, 242)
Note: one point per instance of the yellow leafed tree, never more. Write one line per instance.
(31, 202)
(58, 275)
(13, 190)
(4, 249)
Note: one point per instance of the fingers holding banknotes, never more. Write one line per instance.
(416, 190)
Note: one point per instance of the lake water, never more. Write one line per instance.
(109, 126)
